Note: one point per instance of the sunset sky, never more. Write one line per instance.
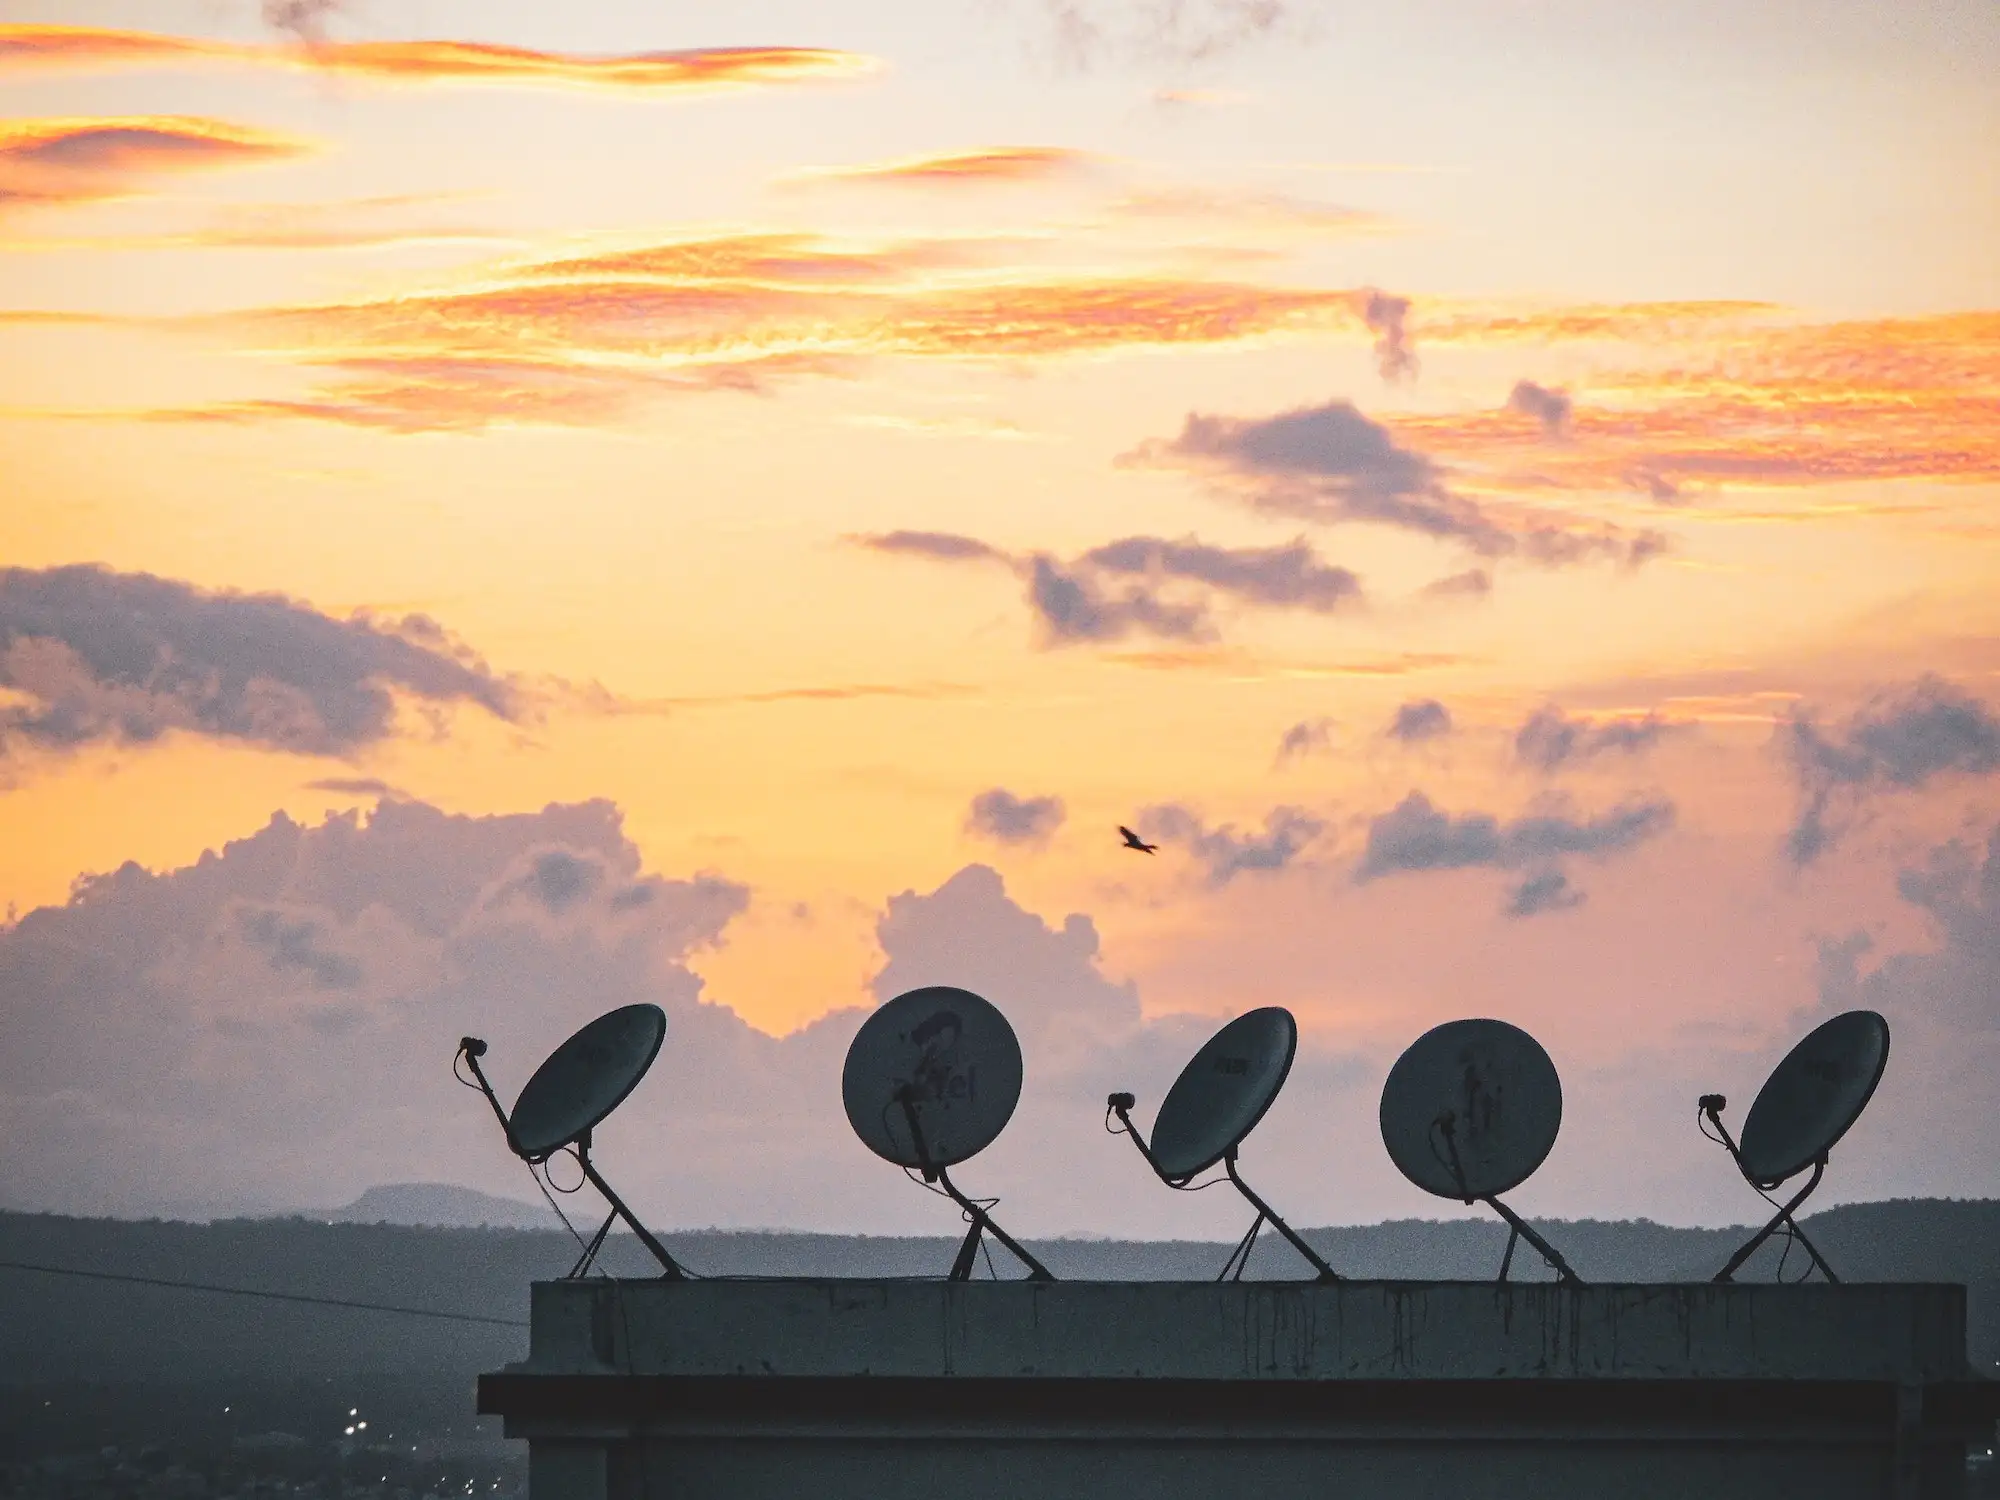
(513, 509)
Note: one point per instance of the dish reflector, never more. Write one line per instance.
(942, 1057)
(1223, 1092)
(586, 1078)
(1814, 1096)
(1471, 1109)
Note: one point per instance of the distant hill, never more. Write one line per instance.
(439, 1205)
(63, 1329)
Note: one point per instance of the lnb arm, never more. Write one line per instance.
(1122, 1105)
(1712, 1106)
(471, 1048)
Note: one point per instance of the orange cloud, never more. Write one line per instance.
(356, 223)
(1876, 399)
(1250, 210)
(75, 48)
(55, 161)
(578, 339)
(988, 164)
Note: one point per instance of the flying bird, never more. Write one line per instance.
(1133, 841)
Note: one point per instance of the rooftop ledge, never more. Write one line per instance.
(1364, 1332)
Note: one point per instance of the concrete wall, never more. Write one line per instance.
(837, 1389)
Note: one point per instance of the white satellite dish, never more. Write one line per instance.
(1812, 1098)
(1217, 1101)
(1469, 1111)
(931, 1079)
(571, 1094)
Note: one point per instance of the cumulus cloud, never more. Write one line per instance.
(1005, 818)
(96, 656)
(1416, 835)
(1143, 584)
(1549, 407)
(276, 1018)
(1331, 464)
(272, 1026)
(1387, 318)
(1307, 737)
(1549, 739)
(1956, 984)
(1418, 720)
(1901, 740)
(1222, 852)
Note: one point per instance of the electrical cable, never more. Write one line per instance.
(244, 1291)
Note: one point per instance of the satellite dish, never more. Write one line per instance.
(1223, 1092)
(586, 1078)
(571, 1094)
(931, 1079)
(1812, 1098)
(1469, 1111)
(1217, 1101)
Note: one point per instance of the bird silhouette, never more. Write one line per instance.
(1133, 841)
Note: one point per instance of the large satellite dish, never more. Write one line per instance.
(1812, 1098)
(931, 1079)
(1220, 1096)
(571, 1094)
(1469, 1111)
(586, 1078)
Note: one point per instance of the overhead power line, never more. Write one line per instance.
(244, 1291)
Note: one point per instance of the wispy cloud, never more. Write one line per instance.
(1735, 395)
(1223, 852)
(1550, 739)
(1417, 836)
(61, 161)
(1330, 464)
(582, 339)
(1143, 585)
(1263, 212)
(351, 224)
(1086, 32)
(83, 48)
(976, 167)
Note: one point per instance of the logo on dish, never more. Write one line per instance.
(939, 1078)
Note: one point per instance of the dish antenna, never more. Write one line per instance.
(931, 1080)
(1805, 1107)
(1469, 1112)
(1220, 1096)
(570, 1095)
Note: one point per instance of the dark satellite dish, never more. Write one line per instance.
(1812, 1098)
(571, 1094)
(931, 1079)
(1217, 1101)
(1469, 1111)
(586, 1078)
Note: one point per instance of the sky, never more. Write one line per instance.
(514, 510)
